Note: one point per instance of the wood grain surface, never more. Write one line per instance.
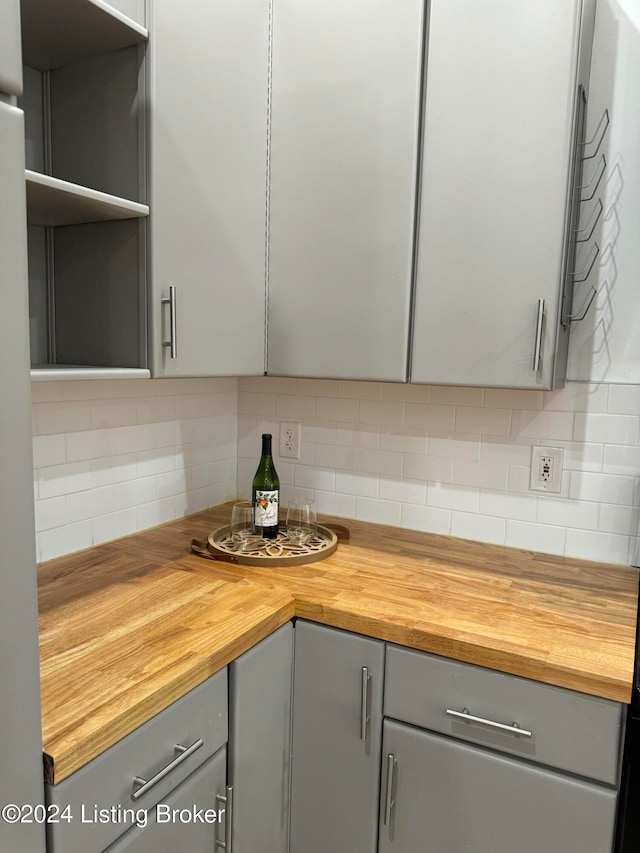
(130, 626)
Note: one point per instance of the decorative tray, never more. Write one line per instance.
(272, 552)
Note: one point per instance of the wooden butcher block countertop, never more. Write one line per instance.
(128, 627)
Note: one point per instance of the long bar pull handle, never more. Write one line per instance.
(389, 802)
(537, 350)
(514, 728)
(227, 801)
(146, 785)
(364, 702)
(170, 300)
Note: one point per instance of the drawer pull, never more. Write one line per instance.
(146, 785)
(227, 801)
(389, 802)
(514, 728)
(364, 703)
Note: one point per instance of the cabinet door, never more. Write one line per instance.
(259, 744)
(10, 48)
(346, 82)
(208, 93)
(335, 780)
(500, 99)
(184, 820)
(448, 796)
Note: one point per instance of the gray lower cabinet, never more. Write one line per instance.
(111, 794)
(259, 744)
(337, 713)
(208, 156)
(445, 796)
(191, 818)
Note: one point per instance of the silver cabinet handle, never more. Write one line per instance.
(537, 350)
(364, 703)
(227, 800)
(389, 802)
(514, 728)
(146, 785)
(170, 300)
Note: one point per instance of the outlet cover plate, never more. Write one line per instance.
(290, 440)
(546, 469)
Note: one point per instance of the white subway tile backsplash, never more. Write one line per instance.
(483, 421)
(380, 413)
(378, 511)
(63, 540)
(357, 484)
(602, 488)
(445, 496)
(63, 479)
(426, 518)
(404, 491)
(577, 397)
(454, 445)
(507, 398)
(542, 425)
(51, 512)
(457, 396)
(92, 503)
(621, 460)
(382, 462)
(592, 545)
(113, 413)
(434, 468)
(334, 409)
(49, 450)
(483, 528)
(295, 408)
(567, 513)
(335, 456)
(487, 475)
(360, 390)
(624, 399)
(535, 537)
(609, 429)
(111, 457)
(508, 505)
(428, 416)
(405, 393)
(403, 440)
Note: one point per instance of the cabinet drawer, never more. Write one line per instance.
(568, 730)
(107, 782)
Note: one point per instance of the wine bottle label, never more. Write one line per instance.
(267, 508)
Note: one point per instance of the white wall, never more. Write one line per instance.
(113, 457)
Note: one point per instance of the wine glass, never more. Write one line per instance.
(243, 531)
(301, 520)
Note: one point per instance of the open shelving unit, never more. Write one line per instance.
(85, 128)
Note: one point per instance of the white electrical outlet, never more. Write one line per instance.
(290, 440)
(546, 469)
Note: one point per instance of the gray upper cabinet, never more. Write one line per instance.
(208, 149)
(337, 717)
(344, 147)
(10, 53)
(500, 113)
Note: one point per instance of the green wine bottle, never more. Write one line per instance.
(266, 493)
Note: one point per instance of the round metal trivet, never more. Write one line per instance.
(276, 552)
